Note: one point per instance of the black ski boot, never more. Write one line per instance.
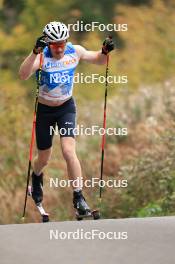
(80, 204)
(37, 188)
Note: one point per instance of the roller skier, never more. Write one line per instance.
(56, 105)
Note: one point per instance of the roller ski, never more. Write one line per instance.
(82, 209)
(36, 192)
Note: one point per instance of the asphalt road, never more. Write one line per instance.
(130, 241)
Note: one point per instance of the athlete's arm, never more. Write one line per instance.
(32, 62)
(29, 66)
(95, 57)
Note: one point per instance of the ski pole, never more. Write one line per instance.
(104, 124)
(32, 135)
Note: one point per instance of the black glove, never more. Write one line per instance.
(40, 45)
(108, 45)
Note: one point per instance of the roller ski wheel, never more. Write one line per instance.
(45, 218)
(95, 214)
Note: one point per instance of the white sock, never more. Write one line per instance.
(38, 174)
(77, 189)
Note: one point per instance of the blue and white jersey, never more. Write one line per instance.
(57, 75)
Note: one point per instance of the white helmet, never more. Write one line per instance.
(56, 31)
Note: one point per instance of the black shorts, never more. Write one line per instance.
(64, 116)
